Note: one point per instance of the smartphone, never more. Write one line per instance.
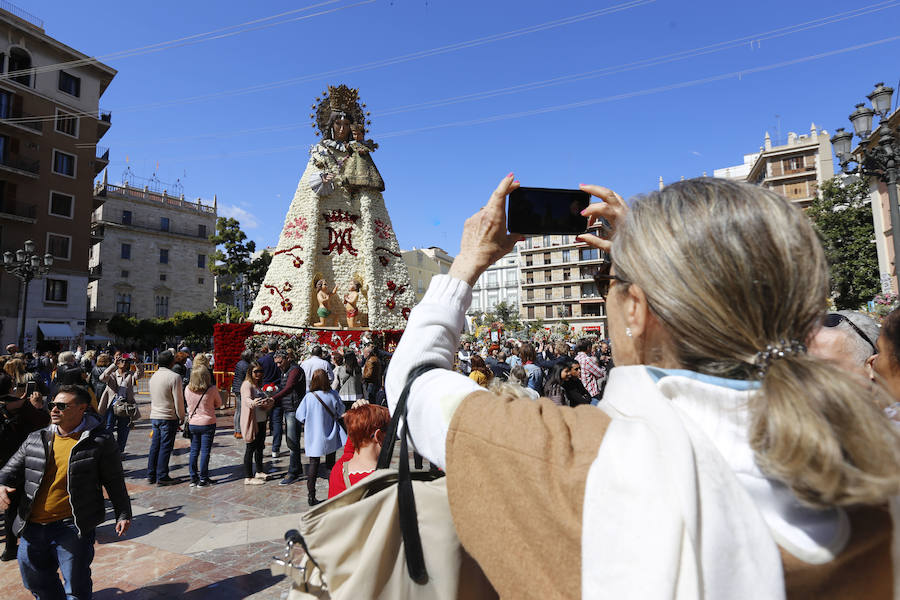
(546, 210)
(30, 388)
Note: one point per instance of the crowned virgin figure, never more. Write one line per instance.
(337, 230)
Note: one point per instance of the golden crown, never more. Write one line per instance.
(337, 99)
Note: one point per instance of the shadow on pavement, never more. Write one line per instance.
(140, 524)
(239, 586)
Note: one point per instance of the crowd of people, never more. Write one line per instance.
(746, 444)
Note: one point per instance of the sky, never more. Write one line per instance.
(216, 96)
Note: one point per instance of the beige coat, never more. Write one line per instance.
(249, 393)
(113, 381)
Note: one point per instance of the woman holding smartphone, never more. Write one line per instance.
(120, 382)
(724, 461)
(255, 407)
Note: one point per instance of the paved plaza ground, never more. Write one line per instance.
(193, 543)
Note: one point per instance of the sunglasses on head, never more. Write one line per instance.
(835, 319)
(603, 278)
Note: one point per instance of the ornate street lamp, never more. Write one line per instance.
(878, 152)
(26, 265)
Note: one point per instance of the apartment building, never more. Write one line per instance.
(795, 169)
(50, 123)
(440, 256)
(557, 283)
(499, 283)
(150, 254)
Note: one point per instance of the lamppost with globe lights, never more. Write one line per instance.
(878, 154)
(26, 265)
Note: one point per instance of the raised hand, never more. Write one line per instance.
(613, 209)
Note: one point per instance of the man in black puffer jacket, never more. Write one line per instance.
(61, 469)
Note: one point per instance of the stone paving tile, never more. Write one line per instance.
(188, 542)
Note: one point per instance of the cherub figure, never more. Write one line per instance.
(324, 297)
(350, 300)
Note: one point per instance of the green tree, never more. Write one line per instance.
(256, 271)
(843, 217)
(508, 315)
(233, 258)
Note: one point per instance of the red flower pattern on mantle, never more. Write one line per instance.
(296, 228)
(286, 304)
(383, 230)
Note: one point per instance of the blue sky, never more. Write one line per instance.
(559, 92)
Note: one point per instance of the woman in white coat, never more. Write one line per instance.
(723, 462)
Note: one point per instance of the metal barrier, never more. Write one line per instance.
(223, 383)
(143, 384)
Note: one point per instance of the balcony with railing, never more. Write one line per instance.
(21, 13)
(10, 207)
(95, 272)
(105, 189)
(21, 166)
(21, 120)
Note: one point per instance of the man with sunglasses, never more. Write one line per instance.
(62, 470)
(846, 339)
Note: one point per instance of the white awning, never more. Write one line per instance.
(56, 331)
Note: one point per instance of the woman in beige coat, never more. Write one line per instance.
(120, 382)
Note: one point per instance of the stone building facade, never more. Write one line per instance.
(499, 283)
(151, 255)
(795, 169)
(423, 264)
(557, 283)
(50, 123)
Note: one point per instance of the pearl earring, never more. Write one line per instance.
(628, 331)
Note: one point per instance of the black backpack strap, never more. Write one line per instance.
(390, 438)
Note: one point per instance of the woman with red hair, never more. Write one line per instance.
(366, 425)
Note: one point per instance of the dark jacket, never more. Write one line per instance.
(500, 370)
(291, 388)
(69, 375)
(94, 462)
(15, 426)
(271, 372)
(240, 373)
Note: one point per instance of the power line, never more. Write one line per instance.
(574, 105)
(643, 63)
(190, 39)
(385, 62)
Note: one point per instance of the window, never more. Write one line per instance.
(5, 105)
(164, 256)
(201, 261)
(589, 290)
(548, 312)
(63, 164)
(124, 274)
(164, 223)
(61, 205)
(123, 303)
(201, 231)
(795, 163)
(492, 278)
(546, 258)
(421, 287)
(66, 123)
(546, 241)
(20, 60)
(162, 276)
(126, 217)
(59, 246)
(162, 307)
(57, 290)
(476, 303)
(69, 84)
(200, 280)
(126, 252)
(588, 254)
(566, 255)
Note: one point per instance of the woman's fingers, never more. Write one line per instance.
(595, 241)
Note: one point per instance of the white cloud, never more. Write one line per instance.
(247, 219)
(695, 153)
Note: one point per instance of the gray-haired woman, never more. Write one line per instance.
(723, 462)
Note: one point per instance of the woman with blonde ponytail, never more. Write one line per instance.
(723, 462)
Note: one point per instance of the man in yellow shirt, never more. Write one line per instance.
(61, 469)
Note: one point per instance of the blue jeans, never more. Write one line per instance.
(118, 426)
(237, 411)
(292, 436)
(201, 443)
(46, 547)
(161, 445)
(277, 416)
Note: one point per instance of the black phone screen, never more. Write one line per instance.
(30, 388)
(546, 210)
